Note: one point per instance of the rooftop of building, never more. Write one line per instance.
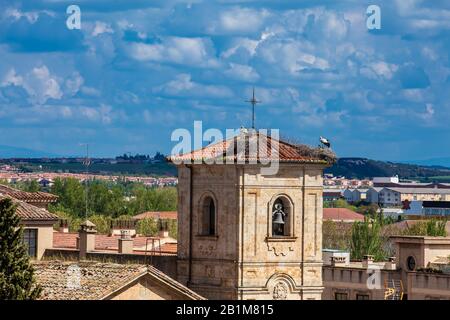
(419, 190)
(332, 191)
(229, 150)
(423, 240)
(110, 243)
(28, 196)
(157, 215)
(88, 280)
(341, 214)
(28, 212)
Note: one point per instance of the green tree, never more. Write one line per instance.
(336, 235)
(340, 203)
(71, 195)
(431, 228)
(367, 239)
(31, 186)
(16, 272)
(147, 227)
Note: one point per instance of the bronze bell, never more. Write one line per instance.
(278, 217)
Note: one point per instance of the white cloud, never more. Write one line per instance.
(31, 16)
(429, 112)
(41, 85)
(292, 56)
(38, 83)
(182, 85)
(242, 19)
(246, 44)
(11, 78)
(188, 51)
(89, 91)
(101, 27)
(74, 83)
(379, 69)
(242, 72)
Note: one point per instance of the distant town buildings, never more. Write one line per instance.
(46, 179)
(331, 181)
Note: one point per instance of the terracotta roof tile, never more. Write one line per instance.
(169, 247)
(28, 212)
(103, 242)
(27, 196)
(96, 280)
(341, 214)
(269, 150)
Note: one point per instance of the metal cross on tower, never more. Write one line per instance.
(253, 101)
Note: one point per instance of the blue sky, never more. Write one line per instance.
(139, 69)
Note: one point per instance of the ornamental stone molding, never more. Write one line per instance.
(280, 291)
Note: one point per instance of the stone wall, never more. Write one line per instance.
(428, 286)
(354, 281)
(244, 261)
(44, 239)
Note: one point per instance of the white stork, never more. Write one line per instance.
(325, 142)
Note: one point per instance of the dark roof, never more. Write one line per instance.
(227, 151)
(27, 196)
(436, 204)
(28, 212)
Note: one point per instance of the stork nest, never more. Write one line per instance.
(320, 152)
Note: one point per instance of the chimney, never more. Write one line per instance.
(391, 265)
(125, 242)
(367, 261)
(163, 229)
(338, 261)
(63, 226)
(86, 238)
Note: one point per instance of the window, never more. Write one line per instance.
(30, 240)
(411, 263)
(281, 218)
(209, 217)
(361, 296)
(340, 296)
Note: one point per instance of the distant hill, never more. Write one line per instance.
(367, 168)
(14, 152)
(438, 162)
(348, 167)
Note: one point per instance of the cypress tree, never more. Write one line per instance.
(16, 272)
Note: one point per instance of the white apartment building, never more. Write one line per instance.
(391, 197)
(355, 195)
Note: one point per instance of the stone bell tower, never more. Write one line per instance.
(244, 234)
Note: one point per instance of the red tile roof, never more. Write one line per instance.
(96, 280)
(27, 196)
(169, 247)
(28, 212)
(227, 150)
(105, 242)
(157, 215)
(341, 214)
